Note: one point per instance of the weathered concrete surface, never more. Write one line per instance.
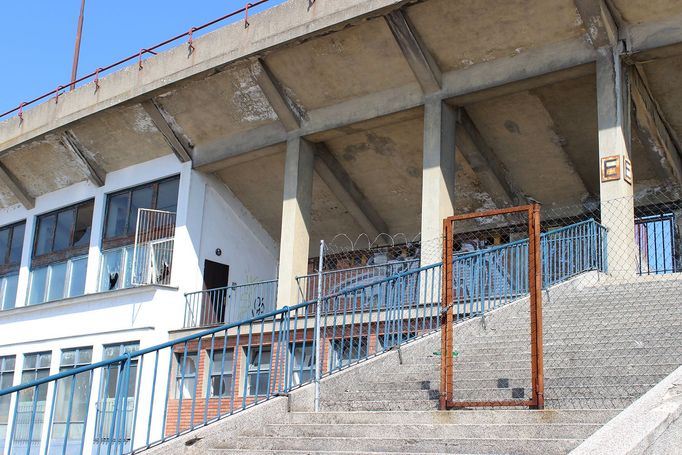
(637, 429)
(523, 69)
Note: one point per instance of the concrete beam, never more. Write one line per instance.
(91, 170)
(598, 22)
(653, 129)
(272, 89)
(476, 80)
(346, 191)
(479, 164)
(177, 141)
(16, 187)
(416, 54)
(499, 171)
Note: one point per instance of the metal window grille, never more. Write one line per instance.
(153, 249)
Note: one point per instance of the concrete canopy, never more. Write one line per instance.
(521, 70)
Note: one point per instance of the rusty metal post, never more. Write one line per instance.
(77, 50)
(535, 287)
(446, 344)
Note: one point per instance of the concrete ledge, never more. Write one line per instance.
(635, 429)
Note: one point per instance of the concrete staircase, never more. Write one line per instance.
(606, 343)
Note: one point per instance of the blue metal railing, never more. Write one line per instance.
(488, 278)
(655, 236)
(219, 306)
(142, 398)
(334, 281)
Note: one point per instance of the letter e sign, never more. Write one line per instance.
(610, 168)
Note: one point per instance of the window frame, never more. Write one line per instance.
(6, 267)
(249, 371)
(297, 372)
(45, 259)
(225, 373)
(127, 239)
(180, 377)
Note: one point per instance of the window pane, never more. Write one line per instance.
(57, 281)
(111, 276)
(65, 222)
(4, 244)
(167, 197)
(17, 243)
(117, 215)
(37, 292)
(220, 363)
(81, 234)
(141, 199)
(46, 227)
(77, 278)
(10, 295)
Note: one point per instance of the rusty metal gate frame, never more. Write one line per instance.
(537, 400)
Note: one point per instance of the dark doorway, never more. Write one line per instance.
(216, 279)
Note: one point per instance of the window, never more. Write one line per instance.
(31, 403)
(71, 404)
(155, 249)
(221, 372)
(60, 253)
(303, 363)
(63, 234)
(346, 351)
(107, 395)
(122, 208)
(6, 381)
(185, 374)
(258, 372)
(58, 281)
(11, 245)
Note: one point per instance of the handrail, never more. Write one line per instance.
(362, 321)
(233, 286)
(138, 55)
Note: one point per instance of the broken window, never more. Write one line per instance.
(11, 245)
(60, 253)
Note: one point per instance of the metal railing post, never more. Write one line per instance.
(318, 311)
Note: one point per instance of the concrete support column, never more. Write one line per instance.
(438, 177)
(617, 204)
(296, 207)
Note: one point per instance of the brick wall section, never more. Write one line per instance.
(210, 408)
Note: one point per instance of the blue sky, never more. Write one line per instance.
(39, 36)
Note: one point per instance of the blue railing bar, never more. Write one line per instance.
(151, 349)
(235, 286)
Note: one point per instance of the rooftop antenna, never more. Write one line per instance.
(76, 52)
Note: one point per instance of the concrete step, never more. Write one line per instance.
(477, 416)
(404, 445)
(453, 431)
(519, 370)
(380, 405)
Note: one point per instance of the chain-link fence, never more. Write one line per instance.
(611, 296)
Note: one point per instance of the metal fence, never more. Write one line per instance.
(153, 249)
(229, 304)
(334, 281)
(610, 314)
(146, 397)
(655, 235)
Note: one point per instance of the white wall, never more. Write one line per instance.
(249, 251)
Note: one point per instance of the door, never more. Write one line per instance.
(216, 279)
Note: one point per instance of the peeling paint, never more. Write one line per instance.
(142, 123)
(249, 99)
